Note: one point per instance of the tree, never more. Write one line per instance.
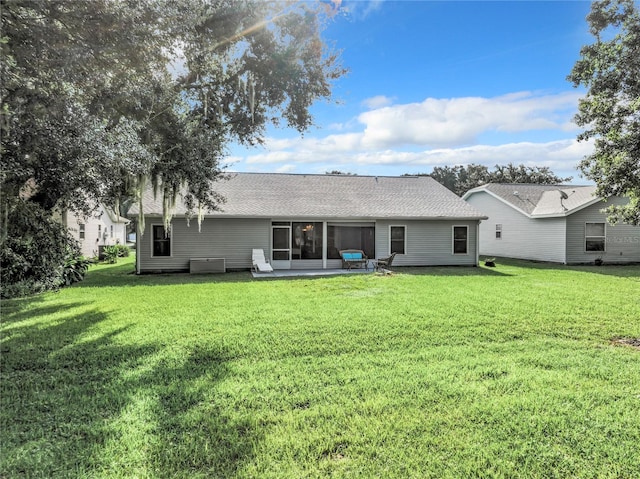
(100, 98)
(102, 94)
(610, 112)
(461, 179)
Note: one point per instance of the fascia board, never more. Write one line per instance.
(336, 218)
(499, 198)
(571, 211)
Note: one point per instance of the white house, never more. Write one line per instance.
(556, 223)
(102, 228)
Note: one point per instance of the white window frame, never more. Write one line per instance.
(604, 238)
(453, 240)
(404, 246)
(498, 231)
(82, 231)
(170, 240)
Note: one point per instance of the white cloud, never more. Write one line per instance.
(415, 137)
(375, 102)
(560, 155)
(459, 121)
(360, 10)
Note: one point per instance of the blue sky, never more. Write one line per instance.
(441, 83)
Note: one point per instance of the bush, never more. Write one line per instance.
(36, 252)
(110, 254)
(75, 269)
(123, 251)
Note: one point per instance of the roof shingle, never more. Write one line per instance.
(541, 200)
(269, 195)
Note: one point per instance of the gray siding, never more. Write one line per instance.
(232, 239)
(428, 243)
(539, 239)
(622, 241)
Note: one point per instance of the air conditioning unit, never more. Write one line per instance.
(206, 265)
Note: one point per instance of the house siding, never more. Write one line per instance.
(622, 241)
(539, 239)
(94, 236)
(428, 243)
(231, 239)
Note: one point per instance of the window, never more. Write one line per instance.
(498, 231)
(398, 239)
(112, 231)
(594, 237)
(460, 239)
(82, 231)
(161, 241)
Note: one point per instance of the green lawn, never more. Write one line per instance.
(430, 372)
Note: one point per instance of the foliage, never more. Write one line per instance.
(101, 98)
(97, 96)
(123, 250)
(75, 269)
(113, 252)
(461, 179)
(187, 376)
(610, 112)
(110, 254)
(37, 253)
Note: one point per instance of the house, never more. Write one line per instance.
(556, 223)
(102, 228)
(303, 221)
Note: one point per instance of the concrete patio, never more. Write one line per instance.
(293, 273)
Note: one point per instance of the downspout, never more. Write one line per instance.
(138, 239)
(478, 243)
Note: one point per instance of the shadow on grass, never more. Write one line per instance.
(123, 275)
(77, 401)
(449, 271)
(619, 270)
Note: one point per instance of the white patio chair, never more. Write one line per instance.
(260, 264)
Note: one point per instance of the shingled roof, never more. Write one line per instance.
(275, 195)
(541, 200)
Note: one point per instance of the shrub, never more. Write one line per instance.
(123, 251)
(110, 254)
(34, 251)
(75, 269)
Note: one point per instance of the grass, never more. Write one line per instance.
(431, 372)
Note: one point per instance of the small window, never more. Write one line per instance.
(112, 231)
(498, 231)
(161, 241)
(81, 230)
(398, 239)
(460, 239)
(594, 237)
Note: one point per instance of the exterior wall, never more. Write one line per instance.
(622, 244)
(539, 239)
(99, 230)
(428, 243)
(232, 239)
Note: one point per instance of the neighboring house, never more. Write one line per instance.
(102, 228)
(556, 223)
(303, 221)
